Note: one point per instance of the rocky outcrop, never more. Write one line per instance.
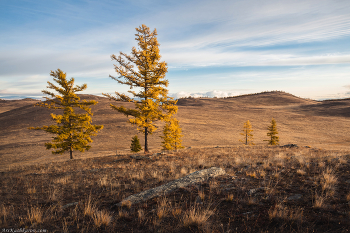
(195, 177)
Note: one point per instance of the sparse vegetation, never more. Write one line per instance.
(266, 189)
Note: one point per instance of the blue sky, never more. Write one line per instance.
(212, 48)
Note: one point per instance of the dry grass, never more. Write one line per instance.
(63, 180)
(102, 217)
(35, 215)
(328, 179)
(196, 216)
(319, 201)
(284, 212)
(222, 204)
(90, 208)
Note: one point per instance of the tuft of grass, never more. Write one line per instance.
(103, 181)
(127, 203)
(201, 194)
(123, 214)
(3, 213)
(138, 175)
(158, 175)
(229, 197)
(319, 201)
(283, 212)
(301, 172)
(328, 179)
(196, 216)
(141, 214)
(63, 180)
(89, 208)
(31, 190)
(251, 174)
(176, 212)
(183, 171)
(53, 194)
(35, 215)
(101, 217)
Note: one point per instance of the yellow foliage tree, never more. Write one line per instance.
(274, 140)
(247, 133)
(151, 102)
(73, 130)
(172, 135)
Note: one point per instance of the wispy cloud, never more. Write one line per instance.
(79, 38)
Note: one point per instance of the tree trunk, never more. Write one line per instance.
(71, 152)
(146, 143)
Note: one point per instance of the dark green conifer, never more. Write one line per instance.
(274, 140)
(135, 144)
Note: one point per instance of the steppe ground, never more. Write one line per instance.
(205, 123)
(266, 189)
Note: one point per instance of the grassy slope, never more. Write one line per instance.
(36, 196)
(205, 122)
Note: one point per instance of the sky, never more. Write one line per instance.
(212, 48)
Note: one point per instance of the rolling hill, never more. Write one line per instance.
(206, 122)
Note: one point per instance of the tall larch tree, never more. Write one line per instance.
(73, 130)
(144, 70)
(247, 133)
(172, 135)
(273, 140)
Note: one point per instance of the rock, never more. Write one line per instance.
(290, 146)
(195, 177)
(69, 205)
(138, 157)
(294, 197)
(253, 191)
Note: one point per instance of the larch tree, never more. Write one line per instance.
(247, 133)
(172, 135)
(73, 130)
(135, 144)
(274, 140)
(144, 70)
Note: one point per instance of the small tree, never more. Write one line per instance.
(73, 130)
(135, 144)
(151, 102)
(247, 133)
(274, 140)
(172, 135)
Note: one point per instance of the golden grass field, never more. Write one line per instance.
(266, 189)
(205, 122)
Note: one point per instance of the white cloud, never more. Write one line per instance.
(211, 94)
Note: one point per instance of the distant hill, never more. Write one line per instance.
(7, 105)
(273, 98)
(204, 122)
